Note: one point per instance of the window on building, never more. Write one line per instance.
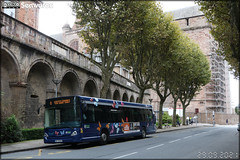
(74, 45)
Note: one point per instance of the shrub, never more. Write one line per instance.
(166, 118)
(10, 130)
(33, 133)
(178, 118)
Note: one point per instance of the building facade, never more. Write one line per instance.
(28, 12)
(215, 96)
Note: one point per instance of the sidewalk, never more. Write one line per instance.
(39, 144)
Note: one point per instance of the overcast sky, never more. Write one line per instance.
(52, 19)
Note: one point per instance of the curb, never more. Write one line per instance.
(180, 128)
(27, 149)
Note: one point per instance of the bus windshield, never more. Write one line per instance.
(62, 116)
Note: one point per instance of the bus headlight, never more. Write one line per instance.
(45, 134)
(74, 133)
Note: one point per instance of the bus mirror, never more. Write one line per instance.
(154, 118)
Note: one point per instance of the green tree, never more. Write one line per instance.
(199, 75)
(141, 36)
(102, 22)
(190, 72)
(224, 17)
(163, 61)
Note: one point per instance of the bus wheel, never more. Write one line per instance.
(104, 137)
(143, 133)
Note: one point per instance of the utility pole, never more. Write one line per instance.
(213, 119)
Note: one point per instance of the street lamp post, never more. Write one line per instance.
(150, 100)
(56, 82)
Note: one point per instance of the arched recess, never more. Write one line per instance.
(90, 89)
(70, 84)
(10, 71)
(132, 99)
(125, 97)
(40, 86)
(109, 94)
(116, 95)
(137, 100)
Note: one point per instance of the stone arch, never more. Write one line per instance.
(39, 61)
(70, 84)
(10, 76)
(39, 87)
(116, 95)
(132, 99)
(125, 97)
(90, 88)
(109, 94)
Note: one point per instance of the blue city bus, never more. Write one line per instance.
(75, 119)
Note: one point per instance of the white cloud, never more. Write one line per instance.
(51, 20)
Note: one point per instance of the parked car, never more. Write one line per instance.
(238, 127)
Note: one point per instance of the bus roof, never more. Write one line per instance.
(107, 101)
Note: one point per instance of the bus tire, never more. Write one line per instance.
(143, 133)
(104, 137)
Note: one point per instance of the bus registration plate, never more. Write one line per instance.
(58, 140)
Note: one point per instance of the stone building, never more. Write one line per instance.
(27, 13)
(70, 36)
(215, 96)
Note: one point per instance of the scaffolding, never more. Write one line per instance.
(216, 89)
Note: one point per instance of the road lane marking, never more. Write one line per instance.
(125, 155)
(59, 152)
(25, 158)
(175, 140)
(155, 146)
(187, 137)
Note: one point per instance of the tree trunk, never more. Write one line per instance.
(141, 95)
(184, 115)
(106, 84)
(174, 113)
(160, 114)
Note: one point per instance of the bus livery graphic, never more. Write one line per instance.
(75, 119)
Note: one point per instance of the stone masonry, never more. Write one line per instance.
(30, 61)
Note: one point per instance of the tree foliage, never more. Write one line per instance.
(101, 23)
(189, 72)
(224, 16)
(142, 38)
(163, 61)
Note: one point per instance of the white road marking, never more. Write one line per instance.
(175, 140)
(187, 137)
(125, 155)
(155, 146)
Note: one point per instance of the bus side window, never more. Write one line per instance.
(89, 116)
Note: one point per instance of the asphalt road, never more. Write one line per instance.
(204, 142)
